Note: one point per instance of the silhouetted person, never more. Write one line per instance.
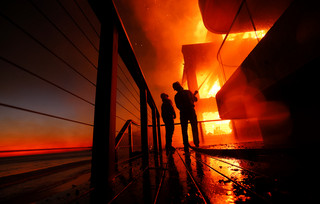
(184, 100)
(168, 116)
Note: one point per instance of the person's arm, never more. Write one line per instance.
(173, 112)
(193, 96)
(162, 112)
(177, 102)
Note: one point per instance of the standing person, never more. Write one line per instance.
(168, 115)
(184, 100)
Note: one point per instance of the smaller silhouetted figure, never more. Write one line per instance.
(184, 100)
(168, 116)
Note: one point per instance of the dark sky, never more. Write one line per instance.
(157, 31)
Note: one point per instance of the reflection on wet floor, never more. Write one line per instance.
(193, 177)
(219, 181)
(196, 176)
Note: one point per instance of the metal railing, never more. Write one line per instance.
(245, 11)
(126, 126)
(54, 76)
(113, 42)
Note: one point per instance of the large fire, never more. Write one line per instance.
(207, 92)
(200, 32)
(209, 89)
(217, 127)
(245, 35)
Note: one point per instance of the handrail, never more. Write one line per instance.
(115, 42)
(125, 47)
(199, 121)
(243, 3)
(225, 38)
(122, 131)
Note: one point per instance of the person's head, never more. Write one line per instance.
(164, 96)
(177, 86)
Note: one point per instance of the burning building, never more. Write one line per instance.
(257, 68)
(275, 83)
(201, 73)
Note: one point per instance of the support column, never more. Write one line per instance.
(154, 130)
(130, 139)
(159, 131)
(144, 127)
(159, 138)
(103, 146)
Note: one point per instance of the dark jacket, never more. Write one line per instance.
(184, 100)
(167, 111)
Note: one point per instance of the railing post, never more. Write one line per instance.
(155, 139)
(154, 130)
(144, 126)
(103, 146)
(159, 131)
(130, 139)
(159, 137)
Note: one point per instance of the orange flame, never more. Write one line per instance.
(216, 127)
(200, 32)
(208, 92)
(245, 35)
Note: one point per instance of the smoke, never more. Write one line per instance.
(167, 25)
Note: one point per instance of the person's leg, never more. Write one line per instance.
(184, 129)
(195, 131)
(170, 131)
(168, 142)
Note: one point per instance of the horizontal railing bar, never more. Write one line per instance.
(121, 133)
(77, 25)
(127, 110)
(62, 33)
(45, 114)
(45, 80)
(128, 100)
(128, 89)
(125, 75)
(202, 121)
(45, 47)
(88, 20)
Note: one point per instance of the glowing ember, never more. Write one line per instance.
(216, 127)
(245, 35)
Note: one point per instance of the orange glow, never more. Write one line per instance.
(245, 35)
(216, 127)
(229, 195)
(12, 153)
(206, 92)
(200, 32)
(32, 137)
(214, 90)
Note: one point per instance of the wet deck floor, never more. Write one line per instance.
(201, 176)
(193, 177)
